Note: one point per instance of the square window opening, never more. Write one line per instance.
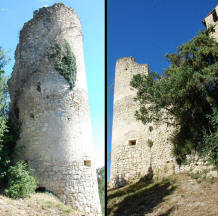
(87, 163)
(132, 142)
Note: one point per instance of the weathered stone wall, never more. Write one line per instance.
(130, 162)
(55, 136)
(209, 20)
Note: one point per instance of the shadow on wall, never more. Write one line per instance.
(168, 212)
(139, 198)
(144, 181)
(120, 181)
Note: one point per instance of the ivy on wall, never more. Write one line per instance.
(65, 62)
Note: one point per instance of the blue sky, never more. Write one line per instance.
(147, 30)
(14, 13)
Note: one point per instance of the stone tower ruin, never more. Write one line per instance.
(49, 103)
(212, 19)
(131, 155)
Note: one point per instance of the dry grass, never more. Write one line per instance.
(39, 204)
(178, 195)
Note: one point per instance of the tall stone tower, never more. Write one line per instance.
(51, 107)
(212, 19)
(126, 151)
(131, 157)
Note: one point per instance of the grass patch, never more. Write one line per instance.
(48, 202)
(199, 176)
(38, 204)
(55, 204)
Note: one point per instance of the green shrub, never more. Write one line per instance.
(196, 175)
(209, 146)
(5, 160)
(150, 143)
(65, 62)
(16, 177)
(20, 182)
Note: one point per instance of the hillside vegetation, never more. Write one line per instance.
(39, 204)
(179, 195)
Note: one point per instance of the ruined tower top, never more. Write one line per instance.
(125, 69)
(49, 25)
(212, 19)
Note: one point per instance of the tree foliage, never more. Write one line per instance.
(4, 151)
(188, 92)
(21, 183)
(15, 177)
(101, 187)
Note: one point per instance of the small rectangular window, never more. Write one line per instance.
(132, 142)
(87, 163)
(215, 18)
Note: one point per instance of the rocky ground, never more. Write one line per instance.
(39, 204)
(179, 195)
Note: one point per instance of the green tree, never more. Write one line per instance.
(20, 183)
(4, 153)
(101, 187)
(16, 177)
(187, 91)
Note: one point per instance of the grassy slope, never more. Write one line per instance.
(178, 195)
(39, 204)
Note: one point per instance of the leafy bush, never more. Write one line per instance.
(16, 177)
(150, 143)
(65, 62)
(5, 161)
(20, 183)
(210, 138)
